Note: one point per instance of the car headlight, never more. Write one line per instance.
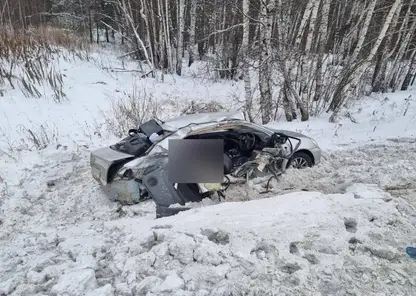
(314, 142)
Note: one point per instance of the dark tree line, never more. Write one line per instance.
(311, 56)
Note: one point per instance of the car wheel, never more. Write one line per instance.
(301, 160)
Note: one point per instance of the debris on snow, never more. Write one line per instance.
(216, 236)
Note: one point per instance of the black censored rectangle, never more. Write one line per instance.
(196, 161)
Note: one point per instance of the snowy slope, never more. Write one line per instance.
(339, 228)
(91, 87)
(372, 119)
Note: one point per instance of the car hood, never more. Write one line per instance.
(176, 123)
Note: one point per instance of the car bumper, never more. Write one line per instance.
(102, 159)
(317, 154)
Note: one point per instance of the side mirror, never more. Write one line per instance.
(279, 139)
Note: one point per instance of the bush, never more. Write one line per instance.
(130, 111)
(202, 107)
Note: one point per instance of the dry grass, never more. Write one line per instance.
(38, 138)
(28, 59)
(24, 44)
(202, 107)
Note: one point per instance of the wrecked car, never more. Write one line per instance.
(133, 170)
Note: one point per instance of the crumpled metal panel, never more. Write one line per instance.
(124, 191)
(149, 164)
(200, 118)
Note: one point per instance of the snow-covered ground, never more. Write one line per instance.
(339, 228)
(92, 88)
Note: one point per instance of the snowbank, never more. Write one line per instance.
(389, 165)
(299, 243)
(60, 235)
(368, 120)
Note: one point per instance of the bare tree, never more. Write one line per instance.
(191, 43)
(246, 69)
(359, 68)
(265, 86)
(179, 35)
(322, 41)
(316, 54)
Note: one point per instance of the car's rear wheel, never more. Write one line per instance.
(301, 160)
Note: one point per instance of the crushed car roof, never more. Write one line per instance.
(176, 123)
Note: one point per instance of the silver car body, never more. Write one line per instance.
(308, 145)
(177, 128)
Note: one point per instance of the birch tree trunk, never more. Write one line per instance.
(221, 48)
(353, 34)
(162, 36)
(312, 22)
(191, 44)
(379, 75)
(151, 31)
(143, 14)
(168, 42)
(201, 44)
(297, 66)
(363, 32)
(180, 28)
(403, 69)
(394, 76)
(290, 113)
(212, 27)
(323, 35)
(382, 34)
(303, 23)
(246, 69)
(410, 72)
(128, 14)
(265, 84)
(306, 61)
(362, 67)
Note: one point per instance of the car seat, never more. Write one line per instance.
(228, 164)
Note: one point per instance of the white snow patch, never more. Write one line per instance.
(172, 283)
(75, 283)
(106, 290)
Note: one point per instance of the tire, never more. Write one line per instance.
(302, 159)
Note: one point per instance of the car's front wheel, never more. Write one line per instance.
(301, 160)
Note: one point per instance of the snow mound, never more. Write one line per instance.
(389, 165)
(299, 243)
(61, 236)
